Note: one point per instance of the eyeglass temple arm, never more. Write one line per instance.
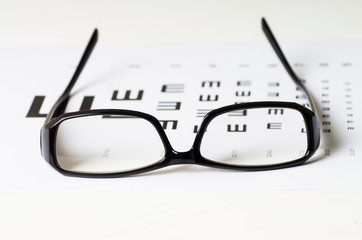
(59, 106)
(273, 42)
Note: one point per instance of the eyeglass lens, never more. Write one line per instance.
(107, 144)
(256, 137)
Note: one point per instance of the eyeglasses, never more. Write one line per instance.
(117, 143)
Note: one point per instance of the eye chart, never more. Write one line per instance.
(179, 85)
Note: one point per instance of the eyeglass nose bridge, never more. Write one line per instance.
(187, 157)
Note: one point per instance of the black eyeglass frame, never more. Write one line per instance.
(56, 116)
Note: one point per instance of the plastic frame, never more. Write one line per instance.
(56, 116)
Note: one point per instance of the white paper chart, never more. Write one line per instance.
(179, 84)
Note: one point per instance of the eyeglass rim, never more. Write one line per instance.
(49, 132)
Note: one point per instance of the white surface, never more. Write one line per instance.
(183, 215)
(178, 215)
(50, 22)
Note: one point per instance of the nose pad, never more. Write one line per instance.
(183, 157)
